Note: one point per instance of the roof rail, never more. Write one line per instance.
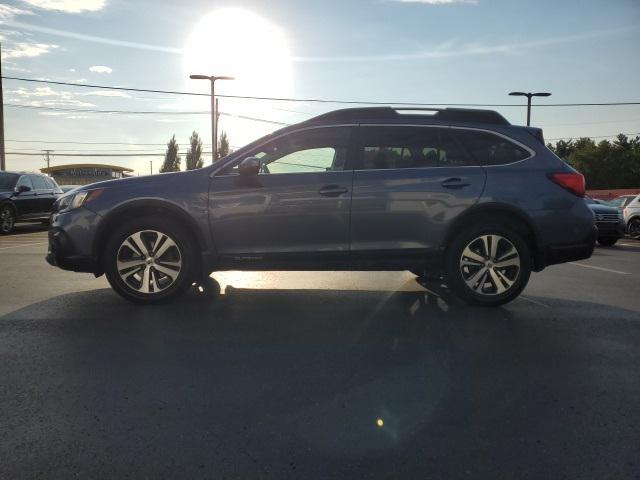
(392, 113)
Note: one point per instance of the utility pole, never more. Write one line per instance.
(46, 157)
(151, 167)
(216, 131)
(214, 114)
(3, 164)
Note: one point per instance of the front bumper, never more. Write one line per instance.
(62, 254)
(71, 240)
(610, 229)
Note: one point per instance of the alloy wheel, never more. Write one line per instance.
(149, 261)
(490, 265)
(634, 228)
(6, 220)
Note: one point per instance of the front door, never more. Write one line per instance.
(409, 184)
(299, 203)
(26, 202)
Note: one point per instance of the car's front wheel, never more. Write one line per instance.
(633, 229)
(488, 265)
(149, 260)
(7, 219)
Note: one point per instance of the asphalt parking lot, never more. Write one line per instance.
(319, 375)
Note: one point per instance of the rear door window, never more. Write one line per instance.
(489, 149)
(396, 147)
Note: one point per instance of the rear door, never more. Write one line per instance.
(44, 194)
(409, 184)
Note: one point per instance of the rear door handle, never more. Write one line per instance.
(454, 183)
(332, 190)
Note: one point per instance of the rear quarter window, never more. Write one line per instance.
(490, 149)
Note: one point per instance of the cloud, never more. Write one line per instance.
(23, 49)
(7, 12)
(438, 2)
(68, 6)
(452, 48)
(93, 38)
(47, 97)
(100, 69)
(107, 93)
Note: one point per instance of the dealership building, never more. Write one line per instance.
(82, 174)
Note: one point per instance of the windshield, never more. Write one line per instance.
(8, 181)
(620, 201)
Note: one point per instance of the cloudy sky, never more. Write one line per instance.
(429, 51)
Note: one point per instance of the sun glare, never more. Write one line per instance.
(241, 44)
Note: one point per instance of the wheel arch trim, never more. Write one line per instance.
(500, 208)
(148, 203)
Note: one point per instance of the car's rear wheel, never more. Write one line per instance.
(149, 260)
(7, 219)
(633, 229)
(607, 241)
(488, 265)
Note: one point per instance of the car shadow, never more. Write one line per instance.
(308, 383)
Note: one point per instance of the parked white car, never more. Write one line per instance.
(630, 206)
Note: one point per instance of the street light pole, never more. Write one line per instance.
(3, 164)
(212, 79)
(529, 95)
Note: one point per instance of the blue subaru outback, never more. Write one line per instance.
(454, 193)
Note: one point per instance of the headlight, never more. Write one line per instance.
(76, 200)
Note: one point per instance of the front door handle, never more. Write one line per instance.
(332, 190)
(454, 183)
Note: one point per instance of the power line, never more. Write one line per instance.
(56, 154)
(86, 143)
(314, 100)
(139, 112)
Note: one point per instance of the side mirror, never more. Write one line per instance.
(249, 167)
(22, 189)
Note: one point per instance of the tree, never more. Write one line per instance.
(605, 165)
(171, 158)
(194, 155)
(223, 146)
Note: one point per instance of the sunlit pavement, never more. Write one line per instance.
(316, 375)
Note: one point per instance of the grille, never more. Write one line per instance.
(607, 217)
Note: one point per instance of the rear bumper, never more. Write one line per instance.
(555, 254)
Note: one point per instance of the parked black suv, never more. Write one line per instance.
(459, 193)
(25, 197)
(609, 222)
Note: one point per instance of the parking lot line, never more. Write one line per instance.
(599, 268)
(535, 302)
(22, 245)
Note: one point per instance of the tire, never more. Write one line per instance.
(607, 241)
(150, 260)
(7, 219)
(633, 229)
(468, 277)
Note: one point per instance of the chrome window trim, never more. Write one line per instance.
(532, 152)
(312, 127)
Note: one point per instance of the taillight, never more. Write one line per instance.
(573, 182)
